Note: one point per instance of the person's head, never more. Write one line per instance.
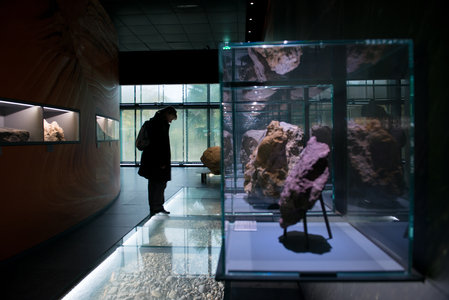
(169, 113)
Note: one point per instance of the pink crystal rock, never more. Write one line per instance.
(305, 182)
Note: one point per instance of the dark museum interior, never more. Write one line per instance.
(66, 206)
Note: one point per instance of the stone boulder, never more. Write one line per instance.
(270, 162)
(211, 159)
(305, 182)
(12, 135)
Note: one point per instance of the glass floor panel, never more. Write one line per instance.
(169, 257)
(163, 231)
(195, 202)
(147, 273)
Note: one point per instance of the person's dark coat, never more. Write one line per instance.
(155, 163)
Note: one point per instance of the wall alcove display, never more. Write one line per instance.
(107, 129)
(307, 121)
(26, 123)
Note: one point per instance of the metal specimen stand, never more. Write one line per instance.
(305, 223)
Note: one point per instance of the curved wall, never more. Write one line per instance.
(59, 53)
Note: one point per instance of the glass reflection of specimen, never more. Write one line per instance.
(374, 159)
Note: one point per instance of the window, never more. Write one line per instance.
(197, 126)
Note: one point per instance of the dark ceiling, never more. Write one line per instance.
(162, 25)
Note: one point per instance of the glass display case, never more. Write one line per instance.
(25, 123)
(107, 129)
(317, 160)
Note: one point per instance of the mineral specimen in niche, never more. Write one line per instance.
(374, 158)
(53, 132)
(250, 140)
(12, 135)
(211, 159)
(305, 182)
(270, 162)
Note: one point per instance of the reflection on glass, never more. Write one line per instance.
(161, 231)
(191, 202)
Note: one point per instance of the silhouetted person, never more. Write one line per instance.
(155, 164)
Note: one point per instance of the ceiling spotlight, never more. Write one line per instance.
(187, 5)
(251, 3)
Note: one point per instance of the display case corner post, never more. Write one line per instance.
(339, 111)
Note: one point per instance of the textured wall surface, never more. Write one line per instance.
(60, 53)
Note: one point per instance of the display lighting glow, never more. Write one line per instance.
(56, 109)
(13, 103)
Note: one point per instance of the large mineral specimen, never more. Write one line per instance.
(270, 162)
(305, 182)
(211, 159)
(12, 135)
(53, 132)
(374, 157)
